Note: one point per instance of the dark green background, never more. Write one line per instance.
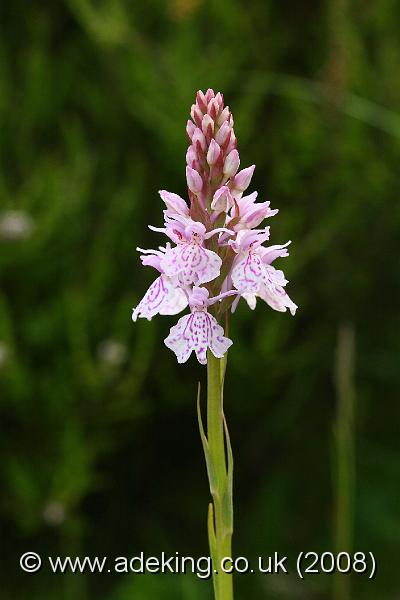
(100, 453)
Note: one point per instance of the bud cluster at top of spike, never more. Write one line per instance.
(212, 158)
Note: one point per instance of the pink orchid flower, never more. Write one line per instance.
(254, 276)
(199, 330)
(189, 260)
(163, 297)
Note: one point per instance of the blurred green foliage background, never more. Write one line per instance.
(100, 453)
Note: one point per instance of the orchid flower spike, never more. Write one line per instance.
(215, 243)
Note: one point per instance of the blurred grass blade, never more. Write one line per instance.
(344, 466)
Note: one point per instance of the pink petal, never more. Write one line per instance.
(275, 276)
(219, 344)
(277, 299)
(174, 203)
(271, 253)
(192, 263)
(197, 331)
(162, 297)
(251, 300)
(175, 301)
(248, 274)
(179, 339)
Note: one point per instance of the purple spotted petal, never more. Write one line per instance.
(162, 298)
(197, 331)
(276, 297)
(191, 263)
(248, 273)
(174, 303)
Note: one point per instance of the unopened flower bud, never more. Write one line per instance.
(199, 141)
(191, 157)
(242, 180)
(223, 134)
(222, 200)
(224, 116)
(232, 144)
(201, 101)
(196, 115)
(209, 94)
(213, 108)
(194, 181)
(220, 99)
(207, 126)
(231, 163)
(213, 153)
(190, 129)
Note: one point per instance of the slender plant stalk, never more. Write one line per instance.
(344, 454)
(218, 453)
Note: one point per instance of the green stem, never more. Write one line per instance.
(220, 466)
(215, 424)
